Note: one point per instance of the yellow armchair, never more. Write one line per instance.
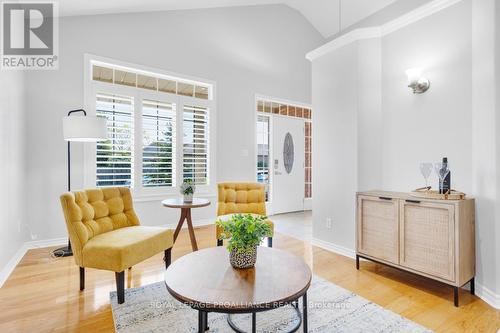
(105, 233)
(241, 198)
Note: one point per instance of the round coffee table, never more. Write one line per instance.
(207, 282)
(186, 215)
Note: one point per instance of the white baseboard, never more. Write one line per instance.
(46, 243)
(12, 263)
(481, 291)
(36, 244)
(342, 250)
(487, 295)
(25, 247)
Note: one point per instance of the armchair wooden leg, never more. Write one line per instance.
(220, 242)
(168, 257)
(269, 241)
(82, 278)
(120, 286)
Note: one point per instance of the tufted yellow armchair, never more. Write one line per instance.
(241, 198)
(105, 233)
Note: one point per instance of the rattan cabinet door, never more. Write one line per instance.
(427, 238)
(378, 228)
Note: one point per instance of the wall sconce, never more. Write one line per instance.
(416, 81)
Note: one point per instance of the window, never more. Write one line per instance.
(266, 109)
(263, 157)
(158, 144)
(158, 130)
(114, 157)
(195, 148)
(140, 79)
(308, 160)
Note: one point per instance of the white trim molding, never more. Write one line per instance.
(385, 29)
(487, 295)
(18, 256)
(25, 247)
(348, 38)
(342, 250)
(92, 87)
(481, 291)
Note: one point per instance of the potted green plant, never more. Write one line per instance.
(245, 232)
(187, 190)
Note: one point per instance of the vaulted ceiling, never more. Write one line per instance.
(323, 14)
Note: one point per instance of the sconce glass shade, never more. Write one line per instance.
(416, 81)
(414, 75)
(84, 128)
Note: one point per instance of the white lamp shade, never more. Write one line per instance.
(414, 75)
(84, 128)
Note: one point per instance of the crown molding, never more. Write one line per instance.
(385, 29)
(348, 38)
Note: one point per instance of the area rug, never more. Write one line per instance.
(331, 309)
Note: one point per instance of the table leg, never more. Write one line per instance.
(179, 224)
(205, 321)
(304, 312)
(254, 322)
(201, 322)
(191, 230)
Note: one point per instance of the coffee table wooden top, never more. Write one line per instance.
(179, 203)
(206, 280)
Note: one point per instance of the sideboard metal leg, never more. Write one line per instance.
(254, 322)
(455, 296)
(472, 286)
(357, 262)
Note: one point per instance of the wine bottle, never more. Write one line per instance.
(445, 185)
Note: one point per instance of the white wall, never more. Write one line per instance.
(369, 114)
(485, 166)
(497, 107)
(347, 138)
(246, 50)
(455, 118)
(424, 128)
(335, 145)
(13, 201)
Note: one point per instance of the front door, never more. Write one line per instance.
(288, 165)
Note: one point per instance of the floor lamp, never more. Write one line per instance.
(80, 128)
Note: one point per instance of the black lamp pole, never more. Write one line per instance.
(66, 251)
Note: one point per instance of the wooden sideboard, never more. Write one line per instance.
(432, 238)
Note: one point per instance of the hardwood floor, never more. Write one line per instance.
(42, 294)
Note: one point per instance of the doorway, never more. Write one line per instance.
(284, 163)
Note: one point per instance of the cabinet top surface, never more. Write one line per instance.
(405, 195)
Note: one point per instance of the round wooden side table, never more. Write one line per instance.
(186, 215)
(206, 281)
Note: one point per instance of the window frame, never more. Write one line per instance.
(140, 193)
